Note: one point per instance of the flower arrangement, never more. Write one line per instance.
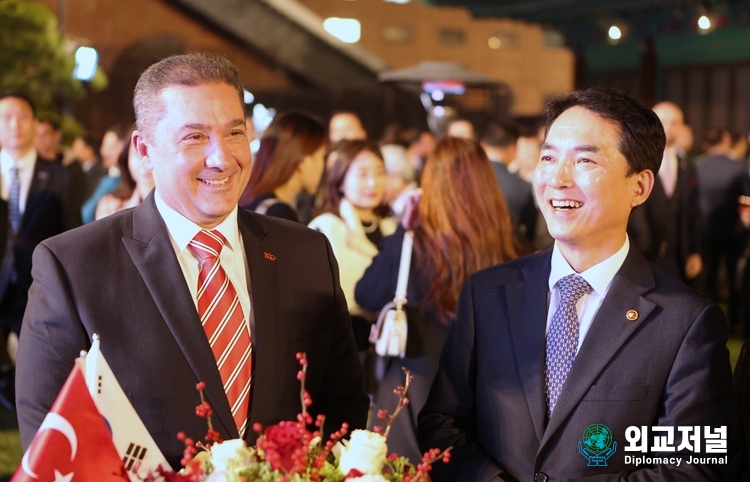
(290, 452)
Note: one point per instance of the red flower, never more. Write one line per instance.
(281, 442)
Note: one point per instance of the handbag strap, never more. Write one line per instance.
(403, 269)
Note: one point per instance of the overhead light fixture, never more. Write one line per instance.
(439, 111)
(494, 43)
(347, 30)
(86, 61)
(400, 2)
(704, 23)
(615, 33)
(438, 95)
(249, 98)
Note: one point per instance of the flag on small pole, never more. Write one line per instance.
(138, 451)
(73, 442)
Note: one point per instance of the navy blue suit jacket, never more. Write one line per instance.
(668, 367)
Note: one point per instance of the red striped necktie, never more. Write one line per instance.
(225, 325)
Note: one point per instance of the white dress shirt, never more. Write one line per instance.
(25, 165)
(232, 257)
(600, 278)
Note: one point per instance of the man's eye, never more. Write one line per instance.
(546, 158)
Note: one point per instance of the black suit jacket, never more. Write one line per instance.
(48, 212)
(519, 197)
(668, 229)
(119, 277)
(668, 367)
(739, 430)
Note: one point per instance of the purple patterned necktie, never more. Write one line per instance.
(562, 337)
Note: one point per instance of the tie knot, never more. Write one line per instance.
(207, 244)
(572, 288)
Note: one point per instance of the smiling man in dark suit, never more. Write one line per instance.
(37, 196)
(586, 334)
(187, 287)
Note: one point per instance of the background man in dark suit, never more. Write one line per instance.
(722, 181)
(499, 142)
(140, 278)
(38, 207)
(667, 227)
(588, 333)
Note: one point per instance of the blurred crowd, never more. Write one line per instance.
(467, 197)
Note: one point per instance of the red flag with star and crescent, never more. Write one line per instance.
(73, 443)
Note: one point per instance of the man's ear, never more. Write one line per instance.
(142, 149)
(642, 187)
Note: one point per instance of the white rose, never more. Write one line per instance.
(230, 455)
(371, 478)
(365, 452)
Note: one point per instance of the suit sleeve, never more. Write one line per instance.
(448, 419)
(697, 392)
(50, 341)
(343, 390)
(378, 284)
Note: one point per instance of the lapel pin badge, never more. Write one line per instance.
(631, 315)
(268, 255)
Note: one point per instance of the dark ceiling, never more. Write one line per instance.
(586, 21)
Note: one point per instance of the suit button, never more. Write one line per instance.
(540, 477)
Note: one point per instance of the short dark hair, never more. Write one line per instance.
(21, 96)
(714, 136)
(501, 135)
(191, 69)
(52, 119)
(642, 137)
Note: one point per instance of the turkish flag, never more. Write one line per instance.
(73, 443)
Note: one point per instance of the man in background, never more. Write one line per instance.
(499, 142)
(36, 206)
(667, 227)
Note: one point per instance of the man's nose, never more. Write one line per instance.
(560, 175)
(218, 154)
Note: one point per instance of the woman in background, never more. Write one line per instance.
(461, 224)
(135, 184)
(355, 221)
(288, 162)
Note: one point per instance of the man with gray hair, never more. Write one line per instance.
(187, 287)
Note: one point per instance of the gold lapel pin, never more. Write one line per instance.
(631, 315)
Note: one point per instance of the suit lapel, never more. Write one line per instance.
(152, 253)
(268, 340)
(609, 331)
(38, 185)
(527, 302)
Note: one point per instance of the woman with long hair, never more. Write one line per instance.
(461, 225)
(288, 163)
(355, 221)
(135, 183)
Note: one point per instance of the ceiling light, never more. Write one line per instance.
(494, 43)
(704, 23)
(347, 30)
(615, 33)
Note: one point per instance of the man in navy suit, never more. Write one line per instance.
(553, 356)
(139, 280)
(38, 207)
(667, 228)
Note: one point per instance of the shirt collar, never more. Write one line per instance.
(182, 230)
(25, 162)
(599, 276)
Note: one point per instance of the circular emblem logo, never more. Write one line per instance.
(597, 438)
